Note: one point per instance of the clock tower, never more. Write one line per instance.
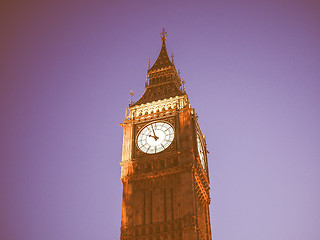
(164, 168)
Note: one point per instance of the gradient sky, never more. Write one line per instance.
(252, 72)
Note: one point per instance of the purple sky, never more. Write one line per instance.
(252, 71)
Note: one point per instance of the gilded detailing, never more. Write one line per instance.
(177, 102)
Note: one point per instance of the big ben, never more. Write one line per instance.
(164, 168)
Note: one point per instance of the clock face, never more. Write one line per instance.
(201, 151)
(155, 137)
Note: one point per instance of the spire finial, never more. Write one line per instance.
(183, 88)
(163, 35)
(126, 114)
(148, 63)
(131, 95)
(172, 59)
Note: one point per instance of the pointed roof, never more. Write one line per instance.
(163, 80)
(163, 59)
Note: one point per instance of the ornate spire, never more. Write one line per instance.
(163, 59)
(148, 63)
(126, 114)
(183, 88)
(163, 35)
(162, 81)
(131, 95)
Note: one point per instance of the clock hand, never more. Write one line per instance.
(155, 137)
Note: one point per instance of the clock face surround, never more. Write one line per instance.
(201, 151)
(155, 137)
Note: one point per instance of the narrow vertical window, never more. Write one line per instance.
(165, 204)
(171, 191)
(144, 207)
(150, 206)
